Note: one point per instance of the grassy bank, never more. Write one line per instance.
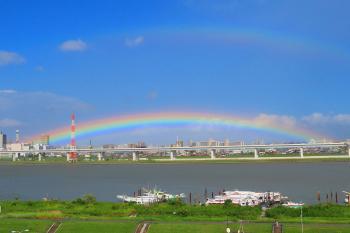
(94, 226)
(9, 225)
(248, 228)
(87, 215)
(88, 208)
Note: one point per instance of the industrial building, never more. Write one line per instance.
(43, 140)
(3, 140)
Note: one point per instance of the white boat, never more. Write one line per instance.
(347, 197)
(293, 204)
(150, 196)
(247, 198)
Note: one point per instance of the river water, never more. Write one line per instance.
(299, 181)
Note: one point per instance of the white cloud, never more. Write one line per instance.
(133, 42)
(272, 119)
(322, 119)
(7, 91)
(7, 58)
(18, 102)
(73, 45)
(38, 111)
(9, 123)
(316, 118)
(39, 68)
(342, 118)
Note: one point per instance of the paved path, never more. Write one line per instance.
(54, 227)
(142, 227)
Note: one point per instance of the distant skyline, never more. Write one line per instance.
(284, 60)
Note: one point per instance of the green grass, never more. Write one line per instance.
(248, 228)
(207, 228)
(107, 210)
(39, 226)
(96, 227)
(320, 210)
(317, 229)
(82, 208)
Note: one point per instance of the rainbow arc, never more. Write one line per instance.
(155, 119)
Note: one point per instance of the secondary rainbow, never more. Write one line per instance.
(127, 122)
(269, 39)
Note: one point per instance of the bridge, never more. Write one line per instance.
(173, 149)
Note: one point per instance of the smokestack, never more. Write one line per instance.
(17, 136)
(73, 154)
(72, 129)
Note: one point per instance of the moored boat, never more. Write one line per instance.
(247, 198)
(293, 204)
(150, 196)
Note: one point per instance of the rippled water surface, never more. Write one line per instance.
(299, 181)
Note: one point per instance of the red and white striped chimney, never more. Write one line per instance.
(73, 154)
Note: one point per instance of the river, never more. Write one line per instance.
(299, 181)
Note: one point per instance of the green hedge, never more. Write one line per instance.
(320, 210)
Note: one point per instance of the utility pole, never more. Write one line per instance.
(301, 220)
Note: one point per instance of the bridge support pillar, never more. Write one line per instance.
(99, 156)
(172, 156)
(301, 152)
(349, 151)
(212, 154)
(39, 157)
(68, 157)
(14, 157)
(134, 156)
(256, 154)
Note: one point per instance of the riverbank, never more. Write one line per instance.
(87, 207)
(87, 215)
(190, 160)
(97, 226)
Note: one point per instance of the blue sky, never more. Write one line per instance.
(102, 58)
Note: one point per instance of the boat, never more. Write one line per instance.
(247, 198)
(150, 196)
(347, 197)
(293, 204)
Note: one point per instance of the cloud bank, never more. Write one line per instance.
(73, 46)
(6, 122)
(134, 42)
(322, 119)
(36, 111)
(8, 58)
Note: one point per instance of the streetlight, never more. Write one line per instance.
(301, 219)
(228, 230)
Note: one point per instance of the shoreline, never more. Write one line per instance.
(237, 160)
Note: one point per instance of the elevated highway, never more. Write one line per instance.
(172, 150)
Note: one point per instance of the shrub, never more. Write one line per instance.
(89, 199)
(85, 200)
(228, 203)
(78, 201)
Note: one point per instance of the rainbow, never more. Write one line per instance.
(127, 122)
